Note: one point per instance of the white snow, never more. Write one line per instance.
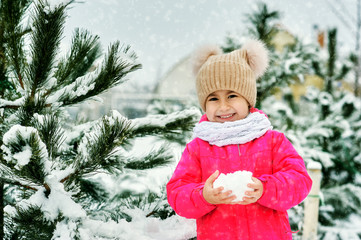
(17, 102)
(141, 227)
(10, 210)
(236, 182)
(81, 86)
(65, 230)
(22, 158)
(314, 165)
(156, 120)
(58, 201)
(346, 230)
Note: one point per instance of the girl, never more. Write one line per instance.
(233, 136)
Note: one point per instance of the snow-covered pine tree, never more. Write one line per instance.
(329, 71)
(262, 23)
(336, 132)
(324, 127)
(334, 142)
(48, 164)
(287, 66)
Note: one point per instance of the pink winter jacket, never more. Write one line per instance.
(271, 158)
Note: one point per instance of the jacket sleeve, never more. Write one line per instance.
(290, 183)
(184, 189)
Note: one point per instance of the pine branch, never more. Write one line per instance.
(46, 36)
(168, 126)
(16, 183)
(32, 171)
(91, 191)
(317, 68)
(27, 110)
(10, 106)
(347, 196)
(85, 50)
(332, 37)
(154, 159)
(12, 13)
(100, 148)
(8, 177)
(260, 21)
(33, 216)
(51, 134)
(119, 63)
(343, 72)
(155, 205)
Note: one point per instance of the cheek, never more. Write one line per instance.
(209, 116)
(209, 111)
(243, 110)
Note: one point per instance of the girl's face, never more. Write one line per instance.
(226, 106)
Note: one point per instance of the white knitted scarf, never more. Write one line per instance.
(241, 131)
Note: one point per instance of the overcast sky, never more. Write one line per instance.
(162, 32)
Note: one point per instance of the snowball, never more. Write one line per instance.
(236, 182)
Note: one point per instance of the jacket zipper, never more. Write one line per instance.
(245, 209)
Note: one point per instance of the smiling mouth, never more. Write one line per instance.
(226, 116)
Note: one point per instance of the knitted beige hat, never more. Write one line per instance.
(236, 71)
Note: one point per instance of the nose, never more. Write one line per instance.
(223, 106)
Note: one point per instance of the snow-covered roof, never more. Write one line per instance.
(178, 82)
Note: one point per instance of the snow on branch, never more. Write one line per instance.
(119, 62)
(20, 144)
(11, 104)
(165, 123)
(97, 148)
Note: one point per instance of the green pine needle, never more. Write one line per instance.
(51, 134)
(34, 170)
(85, 49)
(30, 222)
(119, 62)
(101, 147)
(153, 159)
(46, 36)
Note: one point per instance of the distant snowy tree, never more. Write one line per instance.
(325, 127)
(262, 23)
(287, 66)
(332, 71)
(58, 174)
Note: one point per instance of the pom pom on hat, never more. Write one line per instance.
(202, 55)
(257, 56)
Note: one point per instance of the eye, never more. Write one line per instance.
(232, 96)
(212, 99)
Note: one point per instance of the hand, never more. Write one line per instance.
(215, 195)
(253, 196)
